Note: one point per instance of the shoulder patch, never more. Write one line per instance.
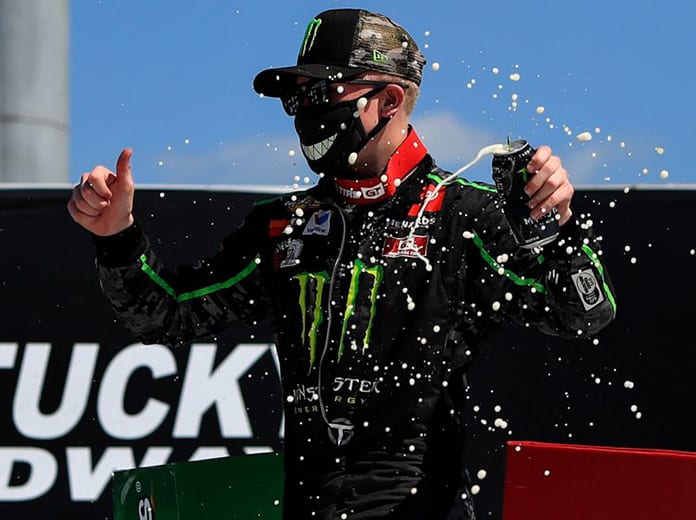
(588, 288)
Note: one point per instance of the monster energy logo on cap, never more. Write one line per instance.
(310, 35)
(344, 43)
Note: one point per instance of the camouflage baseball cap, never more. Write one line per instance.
(343, 43)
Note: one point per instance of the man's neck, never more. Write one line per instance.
(374, 158)
(378, 188)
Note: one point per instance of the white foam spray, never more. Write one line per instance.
(486, 150)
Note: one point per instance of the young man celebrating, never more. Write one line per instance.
(380, 279)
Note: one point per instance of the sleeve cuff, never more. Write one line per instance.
(570, 234)
(120, 249)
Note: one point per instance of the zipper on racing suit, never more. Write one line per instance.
(339, 432)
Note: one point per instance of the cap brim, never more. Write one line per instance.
(276, 82)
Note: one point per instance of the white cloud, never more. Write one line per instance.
(276, 160)
(606, 163)
(255, 161)
(453, 143)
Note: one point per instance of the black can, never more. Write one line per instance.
(510, 176)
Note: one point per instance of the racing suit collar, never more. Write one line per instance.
(382, 187)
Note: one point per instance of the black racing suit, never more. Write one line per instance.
(377, 314)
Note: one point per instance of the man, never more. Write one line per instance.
(379, 288)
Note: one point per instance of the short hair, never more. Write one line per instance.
(411, 93)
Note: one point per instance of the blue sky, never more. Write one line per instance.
(172, 80)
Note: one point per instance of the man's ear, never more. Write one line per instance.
(392, 100)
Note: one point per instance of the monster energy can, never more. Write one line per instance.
(510, 175)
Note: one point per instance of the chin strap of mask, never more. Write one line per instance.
(377, 129)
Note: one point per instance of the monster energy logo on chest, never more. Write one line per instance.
(364, 284)
(319, 280)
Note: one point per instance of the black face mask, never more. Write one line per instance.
(332, 135)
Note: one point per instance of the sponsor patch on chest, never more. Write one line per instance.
(319, 223)
(412, 246)
(276, 227)
(287, 253)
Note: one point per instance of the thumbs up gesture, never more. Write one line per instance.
(103, 201)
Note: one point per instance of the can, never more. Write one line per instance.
(510, 176)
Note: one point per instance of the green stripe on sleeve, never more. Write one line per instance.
(533, 283)
(147, 269)
(518, 280)
(475, 185)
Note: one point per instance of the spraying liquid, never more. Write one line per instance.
(486, 150)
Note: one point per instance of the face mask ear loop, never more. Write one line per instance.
(380, 124)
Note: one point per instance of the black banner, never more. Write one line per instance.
(79, 397)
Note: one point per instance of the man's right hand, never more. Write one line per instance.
(103, 201)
